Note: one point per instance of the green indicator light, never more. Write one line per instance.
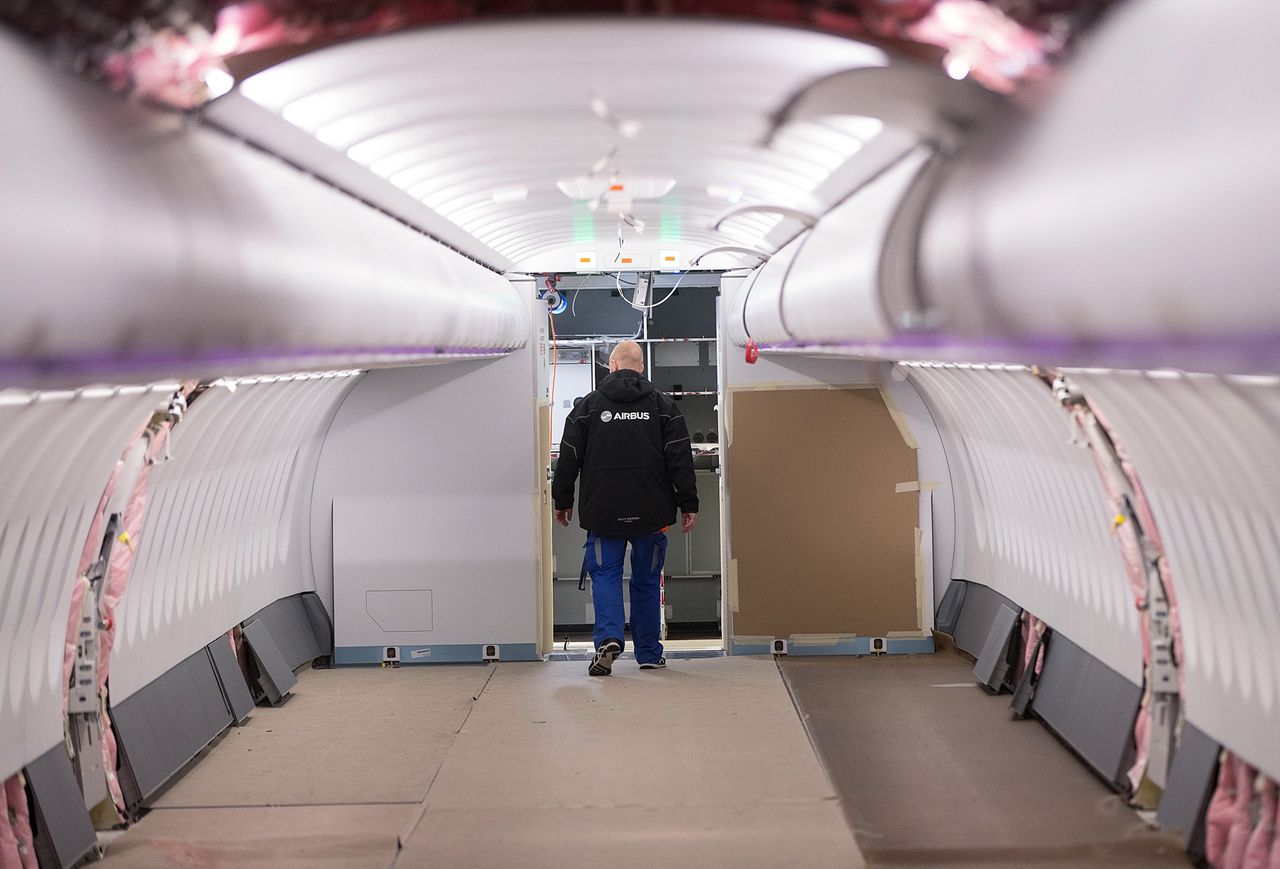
(584, 224)
(669, 229)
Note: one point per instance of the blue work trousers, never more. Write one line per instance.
(603, 558)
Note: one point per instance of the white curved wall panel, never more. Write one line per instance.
(1207, 450)
(761, 302)
(56, 455)
(833, 292)
(227, 525)
(1031, 518)
(147, 243)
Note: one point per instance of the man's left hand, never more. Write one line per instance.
(563, 516)
(687, 521)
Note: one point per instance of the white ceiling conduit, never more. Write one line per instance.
(1121, 216)
(141, 245)
(759, 304)
(852, 282)
(510, 129)
(832, 285)
(834, 291)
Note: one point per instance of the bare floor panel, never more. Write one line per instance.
(363, 735)
(324, 837)
(705, 764)
(932, 771)
(741, 836)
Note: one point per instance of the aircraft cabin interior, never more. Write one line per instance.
(330, 332)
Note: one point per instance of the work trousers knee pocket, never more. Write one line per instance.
(659, 556)
(591, 559)
(592, 554)
(648, 555)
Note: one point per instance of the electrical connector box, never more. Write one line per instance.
(780, 647)
(491, 652)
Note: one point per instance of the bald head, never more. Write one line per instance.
(627, 355)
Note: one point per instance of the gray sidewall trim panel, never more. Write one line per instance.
(1089, 705)
(1192, 778)
(980, 607)
(275, 676)
(950, 607)
(299, 626)
(163, 726)
(230, 677)
(64, 833)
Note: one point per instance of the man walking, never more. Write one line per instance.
(631, 446)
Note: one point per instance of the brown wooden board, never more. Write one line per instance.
(824, 544)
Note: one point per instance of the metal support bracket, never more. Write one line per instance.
(84, 729)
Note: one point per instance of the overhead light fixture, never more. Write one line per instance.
(589, 188)
(583, 187)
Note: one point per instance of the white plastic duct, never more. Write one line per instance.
(1139, 205)
(833, 292)
(758, 306)
(141, 244)
(1205, 449)
(735, 329)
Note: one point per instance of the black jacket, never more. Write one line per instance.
(630, 443)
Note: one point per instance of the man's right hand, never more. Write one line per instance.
(687, 521)
(563, 516)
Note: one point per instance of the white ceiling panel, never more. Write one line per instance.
(481, 122)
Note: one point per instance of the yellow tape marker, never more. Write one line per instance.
(899, 419)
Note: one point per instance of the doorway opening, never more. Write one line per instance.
(681, 346)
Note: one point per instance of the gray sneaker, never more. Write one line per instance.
(602, 663)
(660, 664)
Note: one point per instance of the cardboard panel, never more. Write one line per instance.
(824, 544)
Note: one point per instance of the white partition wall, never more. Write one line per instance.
(424, 510)
(1207, 450)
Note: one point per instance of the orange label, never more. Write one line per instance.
(584, 259)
